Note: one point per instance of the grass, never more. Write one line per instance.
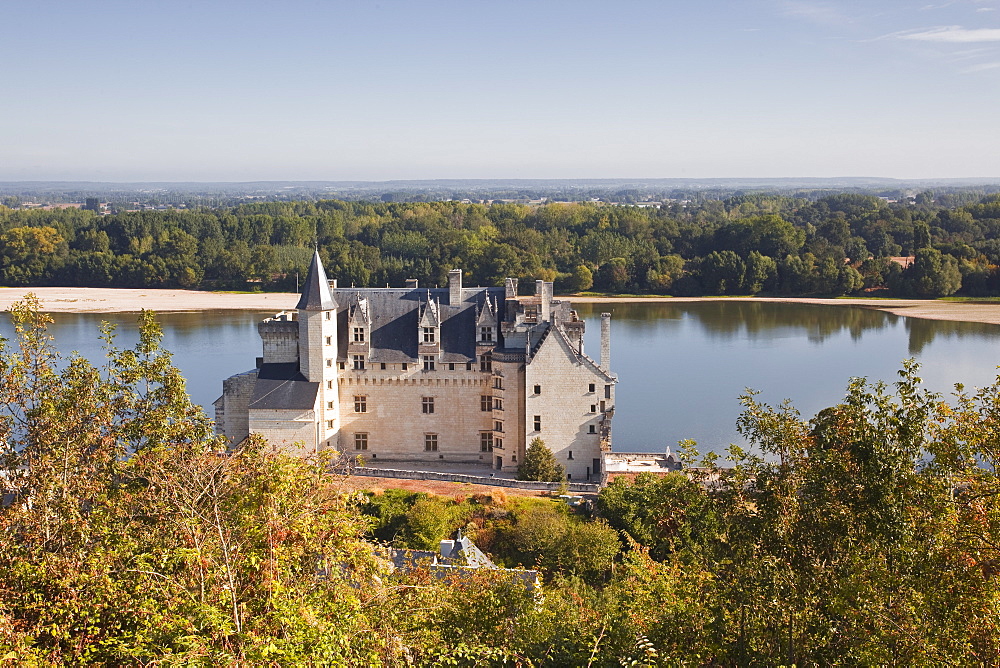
(970, 300)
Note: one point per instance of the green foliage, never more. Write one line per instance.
(743, 245)
(540, 464)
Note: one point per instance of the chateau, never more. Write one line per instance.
(417, 375)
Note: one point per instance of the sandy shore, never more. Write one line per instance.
(120, 300)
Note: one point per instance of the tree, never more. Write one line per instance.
(540, 464)
(581, 279)
(932, 274)
(130, 536)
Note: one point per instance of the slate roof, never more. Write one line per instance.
(282, 386)
(316, 291)
(395, 314)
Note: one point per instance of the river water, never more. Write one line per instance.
(681, 367)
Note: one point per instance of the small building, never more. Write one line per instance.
(631, 464)
(416, 375)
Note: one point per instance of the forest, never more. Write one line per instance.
(751, 244)
(868, 534)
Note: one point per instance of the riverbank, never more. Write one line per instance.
(123, 300)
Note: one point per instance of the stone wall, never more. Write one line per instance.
(577, 487)
(394, 419)
(293, 431)
(231, 418)
(564, 404)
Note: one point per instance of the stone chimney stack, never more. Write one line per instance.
(544, 300)
(510, 288)
(455, 287)
(606, 341)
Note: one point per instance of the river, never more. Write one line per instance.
(681, 367)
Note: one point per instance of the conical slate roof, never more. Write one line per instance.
(316, 291)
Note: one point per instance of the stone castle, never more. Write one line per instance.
(416, 375)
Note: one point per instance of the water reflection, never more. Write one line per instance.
(682, 366)
(751, 319)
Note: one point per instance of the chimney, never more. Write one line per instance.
(412, 283)
(544, 301)
(606, 341)
(455, 287)
(510, 286)
(333, 283)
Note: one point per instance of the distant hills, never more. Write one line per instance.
(609, 189)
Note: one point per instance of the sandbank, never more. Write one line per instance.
(124, 300)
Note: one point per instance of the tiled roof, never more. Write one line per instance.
(395, 313)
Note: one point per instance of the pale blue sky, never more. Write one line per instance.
(257, 90)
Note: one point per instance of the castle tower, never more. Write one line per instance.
(317, 315)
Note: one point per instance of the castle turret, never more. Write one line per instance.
(317, 315)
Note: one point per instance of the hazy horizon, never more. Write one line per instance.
(119, 92)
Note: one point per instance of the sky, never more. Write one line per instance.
(157, 90)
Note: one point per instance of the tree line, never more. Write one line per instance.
(865, 535)
(751, 244)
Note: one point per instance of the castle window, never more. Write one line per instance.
(430, 442)
(498, 426)
(569, 455)
(427, 404)
(593, 408)
(607, 391)
(329, 340)
(486, 441)
(497, 382)
(485, 403)
(359, 334)
(498, 443)
(341, 366)
(468, 366)
(329, 361)
(486, 362)
(327, 315)
(329, 424)
(498, 404)
(359, 362)
(428, 362)
(538, 389)
(329, 384)
(593, 429)
(382, 366)
(404, 366)
(592, 388)
(538, 423)
(361, 403)
(361, 441)
(451, 366)
(429, 335)
(329, 404)
(485, 333)
(513, 459)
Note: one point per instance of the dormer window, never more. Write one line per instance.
(486, 334)
(429, 335)
(359, 334)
